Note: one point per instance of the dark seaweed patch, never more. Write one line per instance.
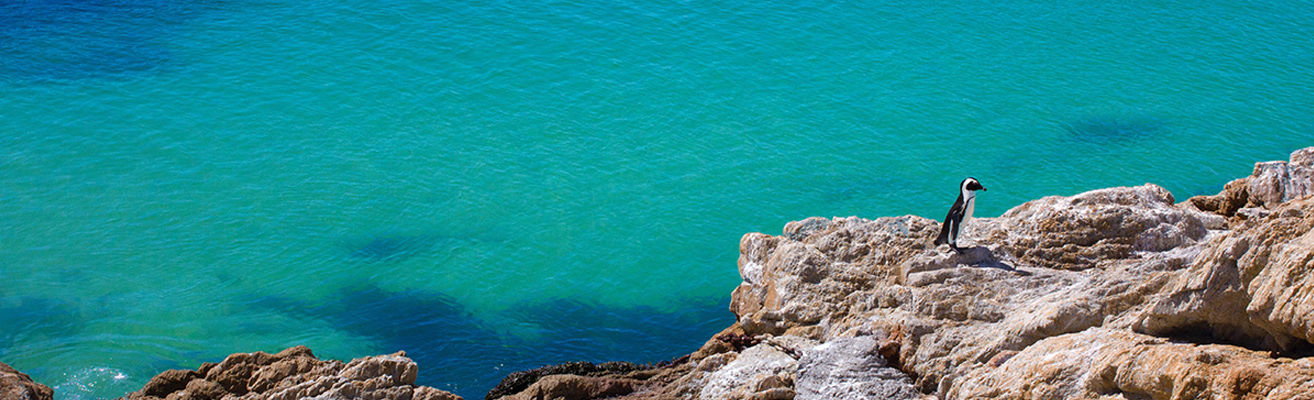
(1106, 129)
(581, 331)
(398, 247)
(434, 330)
(392, 248)
(74, 39)
(456, 352)
(36, 320)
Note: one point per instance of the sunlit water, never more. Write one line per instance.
(495, 187)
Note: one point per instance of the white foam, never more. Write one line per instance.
(94, 383)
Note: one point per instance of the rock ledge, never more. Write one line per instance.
(292, 374)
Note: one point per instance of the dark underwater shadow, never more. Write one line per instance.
(389, 247)
(457, 352)
(1102, 129)
(55, 40)
(36, 320)
(580, 331)
(432, 328)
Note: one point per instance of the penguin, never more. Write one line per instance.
(959, 213)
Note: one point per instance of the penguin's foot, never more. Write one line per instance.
(955, 248)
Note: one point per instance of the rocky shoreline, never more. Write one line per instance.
(1119, 293)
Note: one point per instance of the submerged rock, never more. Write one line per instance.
(292, 374)
(16, 385)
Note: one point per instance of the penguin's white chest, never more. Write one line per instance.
(971, 206)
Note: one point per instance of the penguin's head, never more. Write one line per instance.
(971, 184)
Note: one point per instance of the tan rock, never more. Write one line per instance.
(16, 385)
(1276, 182)
(1235, 196)
(1117, 364)
(789, 283)
(849, 277)
(1251, 286)
(1282, 293)
(575, 387)
(761, 368)
(292, 374)
(1107, 224)
(1271, 184)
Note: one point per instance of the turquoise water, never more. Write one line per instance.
(497, 186)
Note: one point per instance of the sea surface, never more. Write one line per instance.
(493, 186)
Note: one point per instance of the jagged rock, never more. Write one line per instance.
(789, 283)
(1117, 364)
(1076, 232)
(168, 382)
(758, 369)
(1253, 285)
(575, 387)
(1271, 184)
(293, 374)
(1234, 197)
(16, 385)
(851, 368)
(518, 382)
(1276, 182)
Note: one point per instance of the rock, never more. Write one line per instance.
(797, 230)
(743, 378)
(575, 387)
(518, 382)
(168, 382)
(1276, 182)
(1303, 157)
(1253, 286)
(16, 385)
(1234, 197)
(1110, 363)
(1271, 184)
(851, 368)
(292, 374)
(790, 283)
(1107, 224)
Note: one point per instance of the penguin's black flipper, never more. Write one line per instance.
(948, 226)
(944, 232)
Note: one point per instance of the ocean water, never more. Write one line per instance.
(495, 186)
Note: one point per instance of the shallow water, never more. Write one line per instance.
(494, 187)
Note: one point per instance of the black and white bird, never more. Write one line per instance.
(959, 213)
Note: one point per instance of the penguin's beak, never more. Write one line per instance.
(983, 188)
